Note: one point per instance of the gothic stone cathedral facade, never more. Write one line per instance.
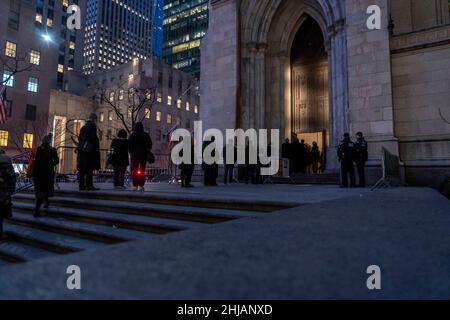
(313, 68)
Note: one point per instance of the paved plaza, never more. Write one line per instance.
(320, 248)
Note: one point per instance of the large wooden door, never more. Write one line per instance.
(310, 98)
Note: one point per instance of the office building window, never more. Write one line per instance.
(28, 140)
(196, 109)
(169, 119)
(169, 100)
(33, 84)
(159, 97)
(158, 116)
(60, 68)
(188, 106)
(30, 112)
(121, 94)
(110, 116)
(35, 57)
(10, 49)
(111, 96)
(102, 117)
(148, 113)
(8, 78)
(4, 138)
(179, 103)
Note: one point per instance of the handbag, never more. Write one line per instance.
(31, 164)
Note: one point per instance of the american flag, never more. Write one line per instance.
(3, 115)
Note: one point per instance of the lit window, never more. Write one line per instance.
(110, 116)
(178, 121)
(148, 113)
(49, 22)
(72, 45)
(4, 138)
(188, 106)
(158, 116)
(10, 49)
(38, 17)
(33, 84)
(35, 57)
(111, 96)
(8, 78)
(130, 113)
(60, 68)
(121, 94)
(169, 119)
(196, 108)
(179, 103)
(28, 140)
(130, 77)
(159, 98)
(169, 100)
(102, 117)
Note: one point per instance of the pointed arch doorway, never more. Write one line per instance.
(310, 86)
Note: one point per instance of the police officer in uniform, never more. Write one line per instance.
(361, 158)
(346, 155)
(7, 188)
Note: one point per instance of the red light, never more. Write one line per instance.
(139, 173)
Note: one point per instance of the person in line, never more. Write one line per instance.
(229, 167)
(187, 169)
(303, 152)
(346, 156)
(250, 168)
(316, 158)
(211, 171)
(286, 153)
(140, 146)
(7, 188)
(88, 151)
(361, 157)
(44, 174)
(119, 158)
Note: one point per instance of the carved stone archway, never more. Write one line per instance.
(268, 29)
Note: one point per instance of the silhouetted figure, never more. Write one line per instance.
(88, 151)
(140, 146)
(119, 158)
(187, 169)
(7, 188)
(250, 168)
(229, 167)
(303, 151)
(315, 157)
(361, 157)
(44, 174)
(211, 171)
(346, 155)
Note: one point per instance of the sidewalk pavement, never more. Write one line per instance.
(319, 250)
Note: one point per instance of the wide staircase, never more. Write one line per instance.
(77, 221)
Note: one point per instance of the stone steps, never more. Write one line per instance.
(77, 221)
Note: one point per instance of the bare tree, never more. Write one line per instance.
(129, 103)
(19, 63)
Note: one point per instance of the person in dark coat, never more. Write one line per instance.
(315, 157)
(286, 153)
(211, 171)
(7, 188)
(250, 168)
(361, 157)
(229, 167)
(119, 158)
(140, 146)
(346, 155)
(44, 174)
(88, 151)
(187, 169)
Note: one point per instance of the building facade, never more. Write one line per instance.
(185, 24)
(116, 32)
(24, 65)
(66, 44)
(173, 102)
(314, 69)
(158, 18)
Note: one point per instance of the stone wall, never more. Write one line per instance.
(421, 85)
(218, 91)
(369, 72)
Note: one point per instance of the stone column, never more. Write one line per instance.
(219, 72)
(338, 91)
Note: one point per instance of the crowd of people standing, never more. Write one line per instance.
(303, 157)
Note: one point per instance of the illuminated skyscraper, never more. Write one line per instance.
(158, 17)
(116, 32)
(185, 24)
